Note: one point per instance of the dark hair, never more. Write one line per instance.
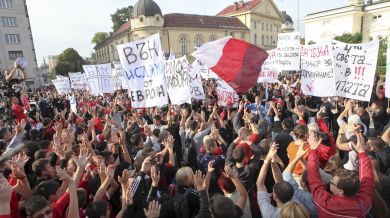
(81, 196)
(334, 163)
(34, 133)
(376, 143)
(106, 155)
(157, 117)
(156, 132)
(40, 154)
(135, 139)
(193, 125)
(284, 190)
(36, 203)
(94, 184)
(264, 147)
(146, 151)
(2, 146)
(348, 182)
(100, 114)
(239, 154)
(46, 121)
(167, 206)
(44, 144)
(96, 209)
(288, 123)
(325, 138)
(378, 208)
(222, 207)
(107, 135)
(300, 131)
(47, 188)
(3, 131)
(39, 165)
(100, 146)
(226, 184)
(304, 178)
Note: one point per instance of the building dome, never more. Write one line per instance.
(286, 17)
(146, 8)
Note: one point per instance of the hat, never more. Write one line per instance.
(281, 102)
(229, 103)
(79, 120)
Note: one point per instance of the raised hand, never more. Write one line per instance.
(129, 197)
(154, 210)
(83, 158)
(301, 151)
(272, 152)
(114, 137)
(155, 176)
(110, 170)
(18, 174)
(58, 149)
(125, 178)
(229, 172)
(99, 160)
(210, 168)
(313, 141)
(20, 160)
(360, 146)
(199, 180)
(63, 176)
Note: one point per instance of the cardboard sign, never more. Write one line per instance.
(289, 50)
(317, 69)
(269, 72)
(77, 80)
(99, 78)
(226, 94)
(178, 80)
(143, 65)
(62, 85)
(196, 86)
(355, 66)
(119, 78)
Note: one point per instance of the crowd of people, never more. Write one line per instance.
(278, 154)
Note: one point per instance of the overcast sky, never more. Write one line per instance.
(58, 25)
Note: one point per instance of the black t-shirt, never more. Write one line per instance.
(10, 83)
(276, 121)
(239, 212)
(327, 113)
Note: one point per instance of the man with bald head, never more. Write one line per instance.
(364, 117)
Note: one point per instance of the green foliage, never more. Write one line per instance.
(303, 41)
(121, 16)
(380, 70)
(350, 38)
(99, 37)
(53, 74)
(382, 52)
(311, 42)
(69, 61)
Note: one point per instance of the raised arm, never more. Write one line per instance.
(386, 135)
(240, 188)
(263, 172)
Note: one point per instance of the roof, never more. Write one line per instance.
(247, 7)
(203, 21)
(146, 8)
(124, 28)
(286, 17)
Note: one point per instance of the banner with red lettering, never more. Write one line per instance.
(226, 93)
(269, 72)
(317, 69)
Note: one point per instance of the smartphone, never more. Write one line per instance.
(155, 159)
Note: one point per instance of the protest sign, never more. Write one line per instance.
(99, 78)
(317, 69)
(143, 65)
(269, 72)
(226, 93)
(387, 89)
(205, 72)
(178, 80)
(172, 55)
(267, 118)
(288, 50)
(355, 66)
(77, 80)
(62, 85)
(73, 103)
(119, 78)
(195, 81)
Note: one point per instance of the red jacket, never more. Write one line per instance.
(336, 206)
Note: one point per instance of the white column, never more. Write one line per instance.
(259, 32)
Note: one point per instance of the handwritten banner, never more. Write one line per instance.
(288, 50)
(78, 80)
(269, 72)
(62, 85)
(317, 70)
(177, 80)
(119, 78)
(205, 72)
(226, 93)
(143, 65)
(99, 78)
(195, 81)
(355, 66)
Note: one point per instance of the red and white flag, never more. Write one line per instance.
(237, 62)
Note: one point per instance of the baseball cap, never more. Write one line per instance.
(281, 102)
(80, 120)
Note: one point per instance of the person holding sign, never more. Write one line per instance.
(277, 114)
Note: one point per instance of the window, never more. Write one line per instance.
(379, 37)
(262, 26)
(254, 24)
(371, 39)
(262, 40)
(213, 38)
(6, 4)
(266, 27)
(9, 21)
(326, 22)
(377, 16)
(198, 41)
(272, 43)
(183, 45)
(255, 39)
(232, 34)
(267, 40)
(242, 35)
(12, 38)
(270, 26)
(15, 54)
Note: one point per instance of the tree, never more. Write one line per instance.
(69, 61)
(311, 42)
(382, 52)
(121, 16)
(53, 74)
(99, 37)
(350, 38)
(303, 40)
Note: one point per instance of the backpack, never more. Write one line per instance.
(189, 153)
(181, 201)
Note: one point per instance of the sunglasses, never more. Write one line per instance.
(47, 213)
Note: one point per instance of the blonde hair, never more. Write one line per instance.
(293, 209)
(185, 176)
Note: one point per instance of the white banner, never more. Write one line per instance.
(119, 77)
(205, 72)
(99, 78)
(177, 80)
(269, 72)
(289, 45)
(195, 81)
(317, 69)
(355, 66)
(267, 118)
(77, 80)
(387, 89)
(226, 94)
(143, 64)
(73, 103)
(62, 85)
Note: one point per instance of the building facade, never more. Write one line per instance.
(52, 61)
(16, 38)
(257, 22)
(371, 18)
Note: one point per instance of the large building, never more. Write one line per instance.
(16, 38)
(371, 18)
(257, 22)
